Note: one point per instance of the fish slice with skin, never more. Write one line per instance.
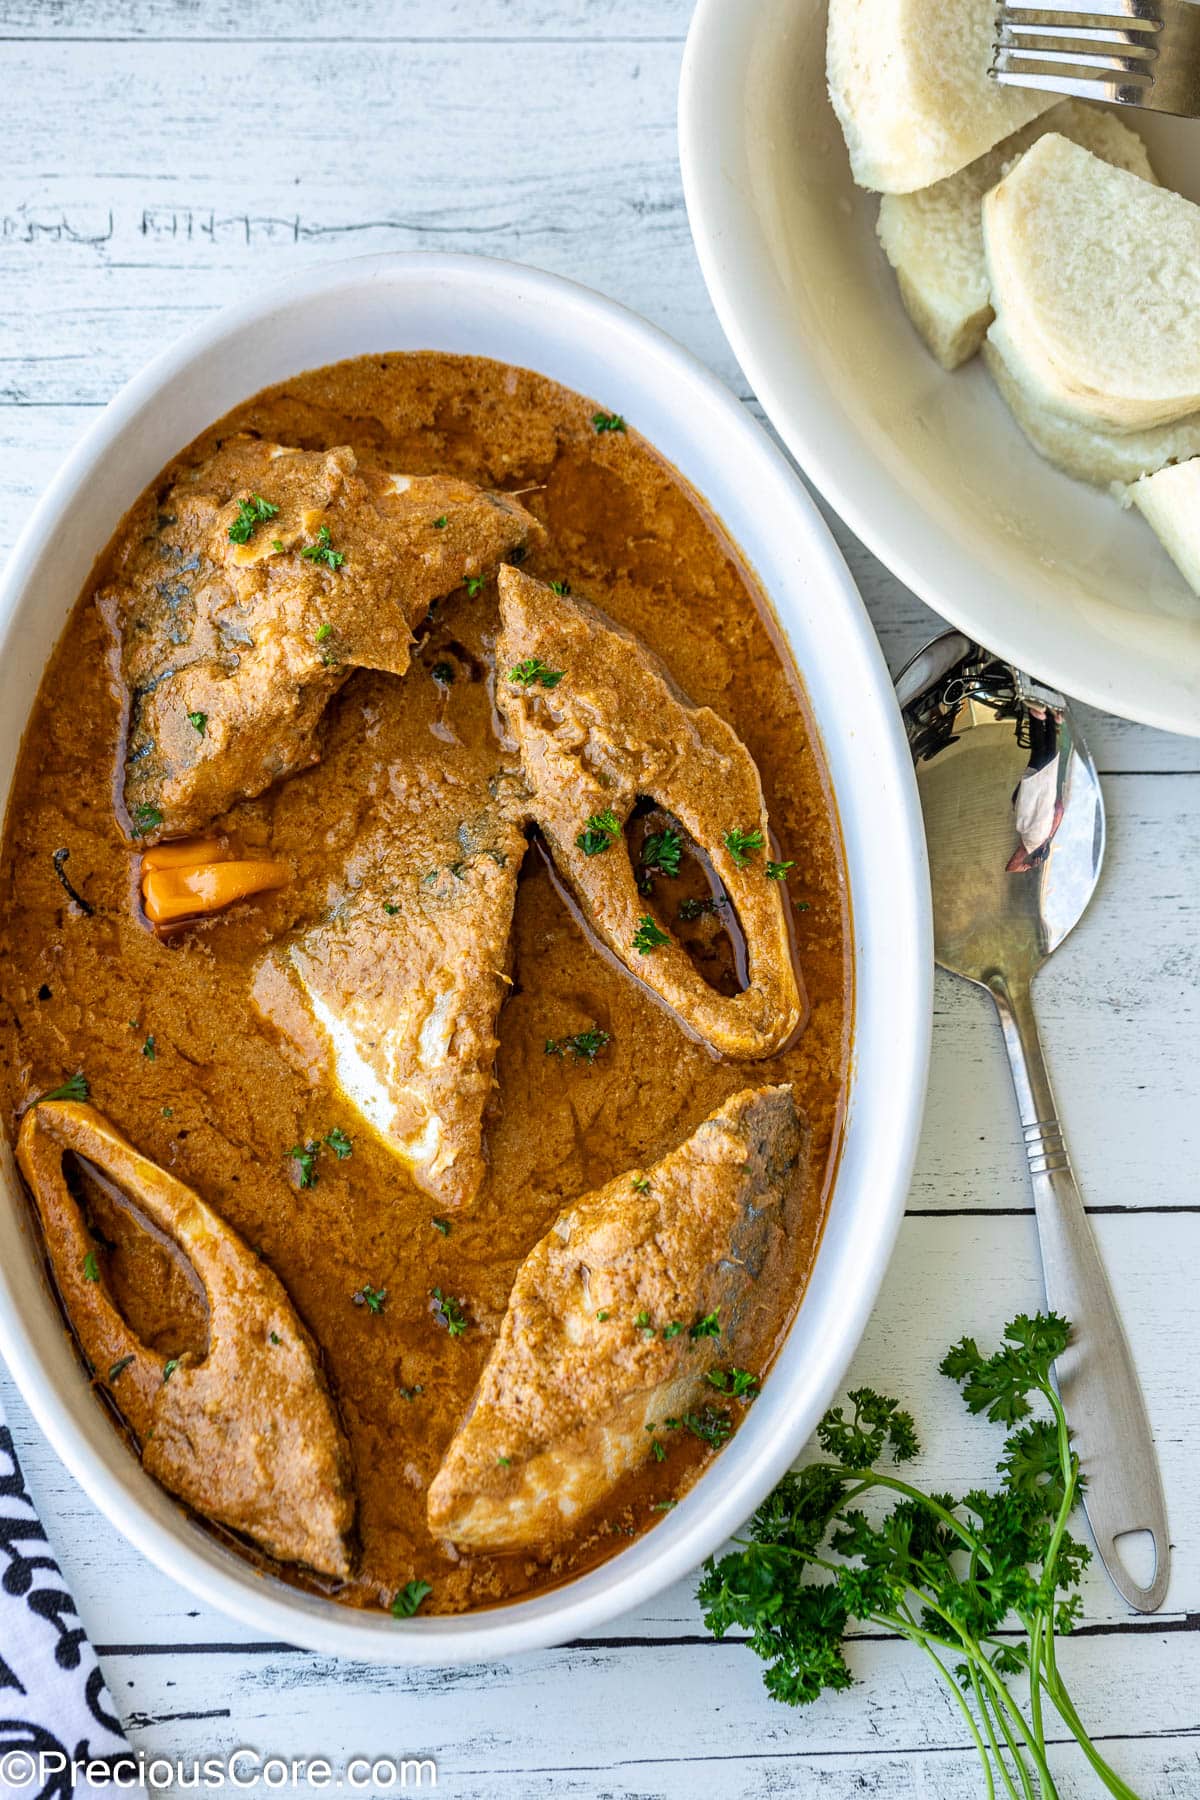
(398, 1008)
(596, 1352)
(613, 728)
(248, 1433)
(231, 647)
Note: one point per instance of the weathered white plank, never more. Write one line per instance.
(308, 21)
(1119, 1005)
(517, 1730)
(172, 212)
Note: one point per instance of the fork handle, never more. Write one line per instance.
(1096, 1379)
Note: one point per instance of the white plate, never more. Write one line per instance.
(929, 469)
(468, 305)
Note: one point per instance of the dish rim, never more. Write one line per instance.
(833, 452)
(649, 372)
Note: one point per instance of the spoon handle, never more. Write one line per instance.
(1097, 1382)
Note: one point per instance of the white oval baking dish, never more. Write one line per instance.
(469, 305)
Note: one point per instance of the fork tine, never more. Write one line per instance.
(1070, 82)
(1062, 50)
(1144, 15)
(1125, 52)
(1083, 38)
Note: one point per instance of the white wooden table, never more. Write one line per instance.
(161, 157)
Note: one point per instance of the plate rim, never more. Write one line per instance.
(716, 53)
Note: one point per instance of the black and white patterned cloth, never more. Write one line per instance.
(54, 1708)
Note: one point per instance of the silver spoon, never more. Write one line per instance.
(1014, 819)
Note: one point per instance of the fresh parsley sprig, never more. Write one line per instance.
(251, 514)
(947, 1574)
(601, 832)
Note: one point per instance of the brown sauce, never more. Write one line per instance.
(220, 1104)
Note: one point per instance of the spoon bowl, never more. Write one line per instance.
(998, 756)
(1014, 822)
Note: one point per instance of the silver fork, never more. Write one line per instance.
(1127, 52)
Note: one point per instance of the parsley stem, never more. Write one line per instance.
(1111, 1780)
(869, 1478)
(908, 1627)
(986, 1716)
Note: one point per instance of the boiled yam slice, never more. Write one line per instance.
(1170, 502)
(1095, 279)
(910, 86)
(1085, 451)
(933, 237)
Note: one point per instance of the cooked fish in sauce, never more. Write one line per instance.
(618, 1320)
(244, 1429)
(364, 1027)
(238, 617)
(600, 726)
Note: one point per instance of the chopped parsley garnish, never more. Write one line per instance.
(801, 905)
(339, 1143)
(560, 587)
(322, 551)
(277, 543)
(410, 1393)
(777, 871)
(505, 1462)
(91, 1269)
(664, 1506)
(370, 1297)
(250, 515)
(148, 1049)
(712, 1425)
(169, 1368)
(75, 1088)
(409, 1599)
(275, 1337)
(708, 1326)
(305, 1158)
(603, 421)
(662, 850)
(198, 722)
(602, 1314)
(585, 1046)
(168, 1112)
(441, 523)
(641, 1184)
(443, 672)
(696, 909)
(642, 1321)
(602, 831)
(442, 1225)
(146, 818)
(649, 935)
(390, 908)
(673, 1329)
(742, 844)
(324, 632)
(119, 1368)
(533, 672)
(474, 584)
(449, 1312)
(739, 1384)
(658, 1449)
